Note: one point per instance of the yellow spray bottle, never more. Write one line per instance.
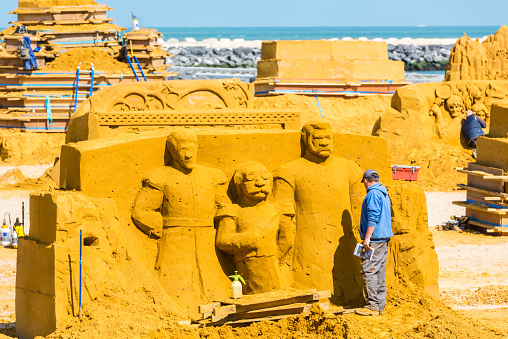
(236, 286)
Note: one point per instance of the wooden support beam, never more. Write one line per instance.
(480, 207)
(483, 175)
(481, 190)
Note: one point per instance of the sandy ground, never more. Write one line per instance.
(473, 276)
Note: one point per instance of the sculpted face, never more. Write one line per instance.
(455, 106)
(320, 142)
(185, 154)
(256, 183)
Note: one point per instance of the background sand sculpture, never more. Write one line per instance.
(472, 60)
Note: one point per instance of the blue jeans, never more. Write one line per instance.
(373, 273)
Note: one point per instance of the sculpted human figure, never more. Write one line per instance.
(251, 229)
(326, 192)
(435, 110)
(455, 106)
(178, 204)
(480, 109)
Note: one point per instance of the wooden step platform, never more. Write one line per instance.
(260, 307)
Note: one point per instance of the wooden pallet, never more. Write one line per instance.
(486, 228)
(261, 307)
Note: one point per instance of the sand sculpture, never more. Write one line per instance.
(324, 239)
(177, 204)
(342, 68)
(129, 257)
(472, 60)
(132, 179)
(252, 229)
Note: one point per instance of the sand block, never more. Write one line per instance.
(498, 121)
(322, 49)
(489, 151)
(35, 314)
(411, 250)
(312, 69)
(320, 59)
(47, 275)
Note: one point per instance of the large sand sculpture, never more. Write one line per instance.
(109, 173)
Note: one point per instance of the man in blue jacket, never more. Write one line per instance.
(472, 128)
(375, 231)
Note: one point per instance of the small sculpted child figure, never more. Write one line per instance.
(251, 229)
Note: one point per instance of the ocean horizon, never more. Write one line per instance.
(326, 32)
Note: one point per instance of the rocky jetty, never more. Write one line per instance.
(243, 57)
(415, 57)
(422, 57)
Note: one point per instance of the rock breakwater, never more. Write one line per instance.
(415, 57)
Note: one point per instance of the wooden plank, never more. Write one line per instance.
(487, 229)
(246, 322)
(271, 312)
(487, 217)
(208, 308)
(481, 190)
(480, 207)
(495, 202)
(483, 175)
(304, 298)
(224, 310)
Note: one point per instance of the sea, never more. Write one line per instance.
(325, 32)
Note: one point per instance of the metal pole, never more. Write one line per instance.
(80, 268)
(77, 89)
(23, 213)
(91, 81)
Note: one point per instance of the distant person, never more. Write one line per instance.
(472, 128)
(375, 231)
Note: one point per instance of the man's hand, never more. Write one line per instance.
(366, 244)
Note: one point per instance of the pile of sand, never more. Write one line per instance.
(409, 314)
(26, 148)
(101, 59)
(12, 177)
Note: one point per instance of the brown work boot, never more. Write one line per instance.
(366, 312)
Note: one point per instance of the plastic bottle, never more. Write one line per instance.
(236, 286)
(14, 239)
(135, 23)
(5, 238)
(18, 227)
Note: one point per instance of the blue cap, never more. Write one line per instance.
(372, 174)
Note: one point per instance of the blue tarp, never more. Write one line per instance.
(32, 62)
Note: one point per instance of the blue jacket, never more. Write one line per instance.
(472, 127)
(376, 212)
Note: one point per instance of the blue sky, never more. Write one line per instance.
(221, 13)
